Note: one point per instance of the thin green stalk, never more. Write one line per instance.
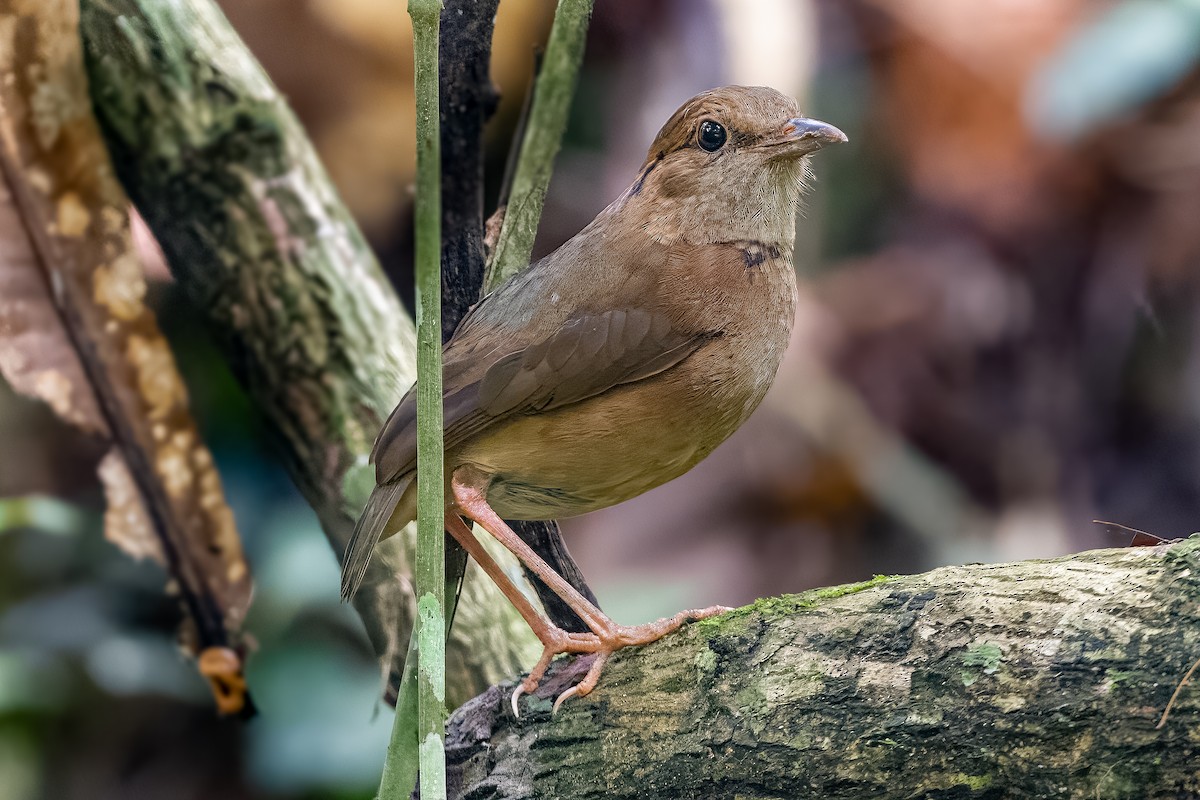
(547, 121)
(401, 766)
(417, 742)
(430, 576)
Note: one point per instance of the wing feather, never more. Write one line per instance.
(588, 355)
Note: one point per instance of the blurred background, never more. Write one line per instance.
(997, 343)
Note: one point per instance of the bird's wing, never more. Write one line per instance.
(587, 355)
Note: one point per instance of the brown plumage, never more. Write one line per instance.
(620, 360)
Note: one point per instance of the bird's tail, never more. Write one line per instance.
(367, 533)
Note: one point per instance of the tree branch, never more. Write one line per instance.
(253, 230)
(468, 99)
(553, 92)
(1035, 679)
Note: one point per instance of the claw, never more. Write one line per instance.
(562, 698)
(585, 686)
(516, 695)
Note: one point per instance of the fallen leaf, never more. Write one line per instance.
(76, 333)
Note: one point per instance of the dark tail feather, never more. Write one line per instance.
(547, 540)
(367, 531)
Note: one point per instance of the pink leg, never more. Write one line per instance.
(469, 487)
(553, 638)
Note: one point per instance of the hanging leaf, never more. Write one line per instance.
(76, 333)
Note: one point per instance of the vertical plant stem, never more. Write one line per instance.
(400, 767)
(547, 121)
(431, 555)
(430, 572)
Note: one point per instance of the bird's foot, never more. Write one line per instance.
(614, 637)
(603, 643)
(554, 642)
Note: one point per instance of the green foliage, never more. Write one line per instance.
(46, 514)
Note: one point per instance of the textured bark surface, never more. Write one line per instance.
(1040, 679)
(468, 99)
(222, 172)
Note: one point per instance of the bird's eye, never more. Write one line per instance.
(711, 135)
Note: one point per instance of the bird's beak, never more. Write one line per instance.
(802, 136)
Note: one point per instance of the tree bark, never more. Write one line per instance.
(222, 172)
(1040, 679)
(468, 99)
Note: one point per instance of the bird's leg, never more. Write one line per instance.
(469, 487)
(553, 638)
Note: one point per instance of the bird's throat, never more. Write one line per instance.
(694, 209)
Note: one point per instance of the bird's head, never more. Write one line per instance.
(728, 165)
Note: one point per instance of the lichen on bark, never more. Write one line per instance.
(1037, 679)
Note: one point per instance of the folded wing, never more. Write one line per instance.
(586, 356)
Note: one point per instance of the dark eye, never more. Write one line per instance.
(711, 135)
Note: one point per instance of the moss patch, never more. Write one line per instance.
(974, 782)
(1185, 554)
(785, 605)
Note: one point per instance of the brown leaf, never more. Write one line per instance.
(75, 332)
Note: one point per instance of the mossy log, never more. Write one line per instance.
(1040, 679)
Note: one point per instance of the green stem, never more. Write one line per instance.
(431, 554)
(547, 121)
(430, 575)
(400, 767)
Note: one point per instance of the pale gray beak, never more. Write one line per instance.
(812, 131)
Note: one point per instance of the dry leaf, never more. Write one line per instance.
(75, 332)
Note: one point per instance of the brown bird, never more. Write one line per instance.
(620, 360)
